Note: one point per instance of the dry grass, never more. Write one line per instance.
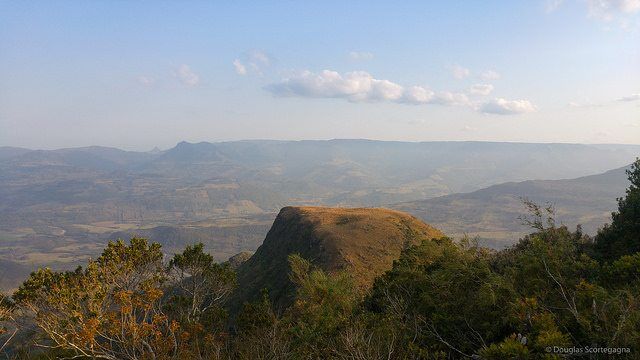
(362, 241)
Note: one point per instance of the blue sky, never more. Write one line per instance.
(141, 74)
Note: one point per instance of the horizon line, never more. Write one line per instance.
(157, 148)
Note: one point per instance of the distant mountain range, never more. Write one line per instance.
(58, 207)
(492, 213)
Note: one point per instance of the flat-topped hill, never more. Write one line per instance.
(364, 241)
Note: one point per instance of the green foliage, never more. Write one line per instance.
(324, 304)
(115, 308)
(510, 348)
(622, 237)
(200, 286)
(445, 297)
(107, 310)
(7, 311)
(256, 316)
(258, 325)
(624, 272)
(441, 299)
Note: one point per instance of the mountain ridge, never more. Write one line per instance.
(59, 206)
(362, 241)
(587, 201)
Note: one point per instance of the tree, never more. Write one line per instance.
(199, 287)
(268, 334)
(622, 237)
(445, 299)
(323, 306)
(554, 287)
(200, 284)
(109, 310)
(7, 309)
(563, 297)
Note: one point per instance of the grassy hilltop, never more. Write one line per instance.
(364, 242)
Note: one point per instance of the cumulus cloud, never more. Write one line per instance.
(490, 75)
(575, 104)
(450, 98)
(589, 104)
(481, 89)
(360, 55)
(459, 72)
(254, 61)
(552, 5)
(632, 97)
(259, 57)
(360, 86)
(354, 86)
(187, 76)
(629, 6)
(146, 80)
(501, 106)
(383, 90)
(239, 67)
(417, 95)
(607, 9)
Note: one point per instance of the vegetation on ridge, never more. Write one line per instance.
(58, 208)
(363, 240)
(555, 288)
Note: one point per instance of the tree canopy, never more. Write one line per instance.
(555, 288)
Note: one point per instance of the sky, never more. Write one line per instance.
(141, 74)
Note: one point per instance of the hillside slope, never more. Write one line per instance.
(58, 207)
(363, 241)
(492, 213)
(12, 274)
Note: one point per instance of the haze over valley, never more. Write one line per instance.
(59, 207)
(329, 180)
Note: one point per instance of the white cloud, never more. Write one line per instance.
(630, 6)
(187, 76)
(418, 95)
(259, 57)
(604, 10)
(575, 104)
(360, 86)
(589, 104)
(490, 75)
(239, 67)
(607, 9)
(360, 55)
(632, 97)
(450, 98)
(552, 5)
(506, 107)
(384, 90)
(459, 72)
(468, 128)
(253, 62)
(354, 86)
(146, 80)
(481, 89)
